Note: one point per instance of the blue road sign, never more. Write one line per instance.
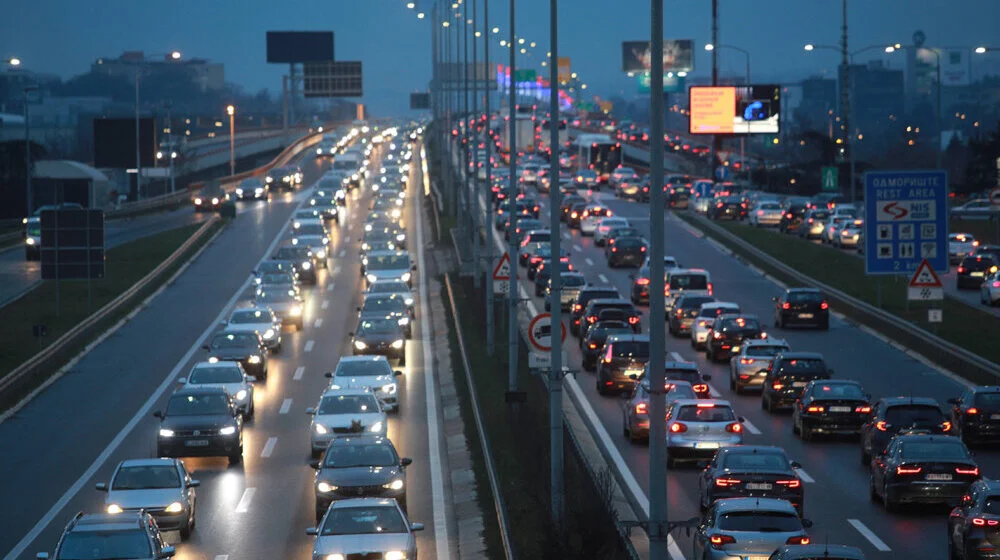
(906, 221)
(721, 173)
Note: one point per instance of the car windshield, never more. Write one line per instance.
(362, 368)
(538, 236)
(911, 414)
(755, 461)
(378, 326)
(677, 392)
(146, 477)
(572, 281)
(765, 351)
(216, 374)
(760, 522)
(820, 215)
(988, 401)
(234, 340)
(388, 262)
(360, 455)
(277, 278)
(292, 253)
(363, 521)
(269, 267)
(688, 282)
(210, 404)
(250, 316)
(276, 297)
(347, 404)
(384, 303)
(838, 391)
(393, 287)
(104, 545)
(310, 229)
(705, 413)
(770, 206)
(629, 243)
(624, 232)
(934, 451)
(631, 349)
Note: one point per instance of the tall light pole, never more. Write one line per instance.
(231, 111)
(938, 149)
(712, 48)
(175, 56)
(474, 195)
(27, 148)
(490, 343)
(513, 296)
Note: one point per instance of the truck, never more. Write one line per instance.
(525, 134)
(597, 152)
(545, 133)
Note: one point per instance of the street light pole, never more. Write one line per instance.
(27, 148)
(138, 149)
(556, 479)
(172, 154)
(487, 127)
(513, 296)
(231, 110)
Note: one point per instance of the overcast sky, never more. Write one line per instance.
(63, 37)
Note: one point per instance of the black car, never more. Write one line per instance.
(523, 226)
(976, 414)
(387, 306)
(595, 306)
(247, 348)
(202, 422)
(627, 251)
(544, 272)
(974, 525)
(678, 196)
(751, 471)
(210, 198)
(381, 336)
(801, 306)
(894, 414)
(587, 294)
(615, 234)
(788, 375)
(623, 361)
(592, 345)
(728, 331)
(302, 259)
(818, 551)
(565, 208)
(728, 208)
(830, 406)
(541, 258)
(641, 280)
(682, 316)
(922, 468)
(575, 215)
(129, 534)
(791, 220)
(687, 371)
(365, 466)
(973, 270)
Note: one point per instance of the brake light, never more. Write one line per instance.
(640, 408)
(791, 483)
(592, 346)
(726, 482)
(678, 428)
(700, 388)
(881, 425)
(908, 470)
(716, 335)
(824, 305)
(710, 289)
(702, 323)
(961, 269)
(946, 426)
(980, 522)
(972, 411)
(585, 214)
(789, 216)
(577, 307)
(746, 361)
(778, 386)
(996, 284)
(735, 428)
(798, 540)
(719, 205)
(572, 215)
(974, 471)
(863, 409)
(810, 220)
(719, 540)
(633, 320)
(642, 281)
(815, 409)
(592, 319)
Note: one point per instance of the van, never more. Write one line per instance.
(687, 281)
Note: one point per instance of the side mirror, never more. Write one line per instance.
(251, 379)
(633, 376)
(359, 309)
(796, 465)
(223, 322)
(328, 375)
(405, 462)
(416, 526)
(194, 483)
(158, 414)
(807, 523)
(182, 380)
(206, 347)
(397, 373)
(167, 552)
(313, 531)
(311, 411)
(955, 401)
(314, 463)
(101, 486)
(706, 377)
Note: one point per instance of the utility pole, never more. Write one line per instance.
(555, 299)
(473, 141)
(172, 148)
(27, 149)
(138, 151)
(512, 294)
(716, 139)
(449, 104)
(845, 99)
(490, 326)
(657, 529)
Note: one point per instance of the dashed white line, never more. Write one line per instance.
(299, 371)
(318, 323)
(286, 405)
(325, 304)
(222, 557)
(244, 504)
(805, 476)
(309, 346)
(343, 253)
(567, 236)
(676, 356)
(329, 287)
(604, 279)
(336, 270)
(577, 248)
(867, 533)
(269, 447)
(588, 261)
(751, 428)
(713, 391)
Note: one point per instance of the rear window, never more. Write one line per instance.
(629, 243)
(692, 377)
(805, 297)
(716, 311)
(802, 365)
(820, 215)
(992, 505)
(908, 414)
(765, 351)
(755, 461)
(741, 324)
(934, 451)
(839, 391)
(989, 401)
(631, 349)
(760, 522)
(688, 282)
(573, 281)
(695, 302)
(705, 413)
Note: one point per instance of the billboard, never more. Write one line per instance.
(452, 75)
(332, 79)
(955, 65)
(678, 56)
(289, 47)
(565, 70)
(672, 83)
(735, 109)
(420, 101)
(114, 143)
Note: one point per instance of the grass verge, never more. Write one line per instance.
(962, 326)
(126, 265)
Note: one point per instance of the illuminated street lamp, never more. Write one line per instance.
(231, 111)
(14, 61)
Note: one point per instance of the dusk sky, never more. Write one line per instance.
(63, 37)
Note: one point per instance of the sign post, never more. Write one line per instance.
(829, 179)
(906, 221)
(925, 284)
(540, 337)
(501, 276)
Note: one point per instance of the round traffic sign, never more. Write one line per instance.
(995, 197)
(540, 332)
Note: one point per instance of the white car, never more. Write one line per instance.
(766, 214)
(618, 174)
(529, 174)
(228, 375)
(833, 227)
(368, 372)
(342, 412)
(260, 320)
(960, 245)
(605, 226)
(978, 209)
(705, 319)
(365, 528)
(306, 217)
(593, 214)
(989, 290)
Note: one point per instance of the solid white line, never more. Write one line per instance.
(269, 447)
(588, 261)
(867, 533)
(805, 476)
(298, 373)
(604, 279)
(222, 557)
(751, 428)
(325, 304)
(309, 346)
(286, 405)
(318, 323)
(244, 504)
(433, 429)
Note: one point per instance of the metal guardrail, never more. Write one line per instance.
(959, 356)
(84, 329)
(484, 440)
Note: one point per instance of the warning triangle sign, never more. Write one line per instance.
(925, 277)
(502, 270)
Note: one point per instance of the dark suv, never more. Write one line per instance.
(587, 294)
(892, 415)
(973, 269)
(792, 218)
(729, 208)
(728, 331)
(129, 534)
(592, 345)
(802, 306)
(788, 375)
(595, 306)
(682, 316)
(624, 360)
(976, 414)
(202, 422)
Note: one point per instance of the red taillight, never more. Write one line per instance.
(980, 522)
(824, 305)
(791, 483)
(972, 411)
(789, 216)
(996, 284)
(908, 470)
(815, 409)
(735, 428)
(577, 307)
(700, 388)
(720, 540)
(798, 540)
(746, 361)
(778, 386)
(592, 319)
(614, 249)
(592, 346)
(642, 281)
(642, 249)
(760, 212)
(881, 425)
(710, 290)
(572, 215)
(678, 428)
(974, 471)
(640, 408)
(726, 482)
(961, 269)
(633, 320)
(536, 260)
(719, 205)
(716, 335)
(810, 220)
(863, 410)
(786, 305)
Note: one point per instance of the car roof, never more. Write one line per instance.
(362, 502)
(986, 389)
(593, 288)
(695, 402)
(362, 439)
(155, 462)
(800, 356)
(765, 342)
(680, 271)
(212, 365)
(259, 308)
(124, 521)
(384, 253)
(628, 338)
(608, 301)
(925, 438)
(737, 316)
(727, 505)
(718, 304)
(368, 358)
(689, 366)
(200, 390)
(753, 449)
(804, 291)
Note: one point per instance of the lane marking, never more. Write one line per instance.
(325, 304)
(336, 269)
(867, 533)
(676, 356)
(588, 261)
(329, 287)
(318, 323)
(577, 248)
(713, 391)
(343, 253)
(222, 557)
(567, 236)
(286, 405)
(604, 279)
(269, 447)
(244, 504)
(298, 373)
(309, 346)
(751, 428)
(805, 476)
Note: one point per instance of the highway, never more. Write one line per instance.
(101, 412)
(836, 496)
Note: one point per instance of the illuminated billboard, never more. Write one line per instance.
(735, 109)
(678, 56)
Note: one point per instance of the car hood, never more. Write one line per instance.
(249, 327)
(387, 273)
(197, 422)
(231, 388)
(363, 381)
(359, 476)
(154, 498)
(281, 306)
(344, 420)
(381, 314)
(379, 338)
(349, 544)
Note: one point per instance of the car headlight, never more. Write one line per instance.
(408, 301)
(175, 507)
(254, 359)
(215, 200)
(405, 277)
(321, 254)
(324, 487)
(376, 427)
(197, 201)
(164, 432)
(30, 241)
(403, 321)
(114, 508)
(239, 192)
(213, 360)
(360, 345)
(259, 190)
(296, 311)
(334, 557)
(320, 428)
(397, 344)
(319, 151)
(395, 554)
(227, 431)
(268, 179)
(306, 265)
(364, 261)
(241, 395)
(394, 485)
(400, 237)
(296, 224)
(391, 387)
(354, 177)
(371, 277)
(269, 334)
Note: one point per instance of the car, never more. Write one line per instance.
(371, 372)
(397, 287)
(229, 376)
(567, 202)
(623, 361)
(246, 348)
(210, 198)
(302, 260)
(975, 416)
(592, 215)
(285, 303)
(274, 266)
(989, 290)
(891, 415)
(251, 188)
(801, 306)
(685, 312)
(689, 373)
(627, 251)
(317, 244)
(728, 334)
(583, 299)
(363, 528)
(849, 235)
(631, 187)
(619, 232)
(363, 466)
(261, 320)
(749, 528)
(543, 273)
(531, 241)
(272, 282)
(635, 414)
(974, 269)
(641, 280)
(383, 239)
(619, 174)
(575, 215)
(592, 345)
(792, 218)
(594, 307)
(541, 257)
(824, 551)
(834, 226)
(979, 208)
(202, 422)
(698, 428)
(751, 471)
(605, 226)
(133, 534)
(524, 226)
(755, 356)
(704, 320)
(974, 524)
(529, 173)
(922, 468)
(830, 406)
(379, 336)
(693, 281)
(960, 245)
(677, 195)
(344, 412)
(388, 265)
(163, 487)
(766, 214)
(387, 306)
(787, 376)
(813, 223)
(570, 284)
(389, 230)
(727, 207)
(587, 179)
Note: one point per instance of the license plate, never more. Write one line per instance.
(976, 274)
(633, 372)
(758, 557)
(840, 409)
(196, 443)
(934, 476)
(706, 445)
(994, 416)
(759, 486)
(799, 384)
(805, 315)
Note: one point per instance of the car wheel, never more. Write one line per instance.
(186, 530)
(770, 406)
(599, 387)
(866, 458)
(805, 431)
(825, 325)
(872, 493)
(888, 503)
(671, 462)
(236, 458)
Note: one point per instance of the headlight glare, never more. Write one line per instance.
(371, 277)
(241, 395)
(254, 359)
(269, 334)
(297, 310)
(390, 388)
(306, 265)
(403, 321)
(114, 508)
(376, 427)
(360, 345)
(227, 431)
(320, 428)
(394, 485)
(405, 277)
(395, 555)
(323, 487)
(397, 344)
(164, 432)
(175, 507)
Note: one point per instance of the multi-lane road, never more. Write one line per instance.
(74, 433)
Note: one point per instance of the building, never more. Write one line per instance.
(208, 76)
(878, 96)
(819, 97)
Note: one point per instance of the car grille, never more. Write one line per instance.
(375, 490)
(365, 556)
(195, 433)
(348, 430)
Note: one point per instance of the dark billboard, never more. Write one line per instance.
(114, 143)
(419, 101)
(299, 46)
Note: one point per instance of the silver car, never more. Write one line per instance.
(287, 304)
(989, 290)
(697, 428)
(635, 415)
(365, 528)
(960, 245)
(754, 355)
(395, 287)
(605, 226)
(572, 283)
(368, 372)
(833, 228)
(317, 244)
(228, 375)
(342, 412)
(260, 320)
(849, 235)
(162, 487)
(705, 319)
(388, 265)
(767, 213)
(748, 529)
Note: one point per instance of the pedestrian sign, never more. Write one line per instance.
(829, 179)
(906, 216)
(925, 284)
(501, 276)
